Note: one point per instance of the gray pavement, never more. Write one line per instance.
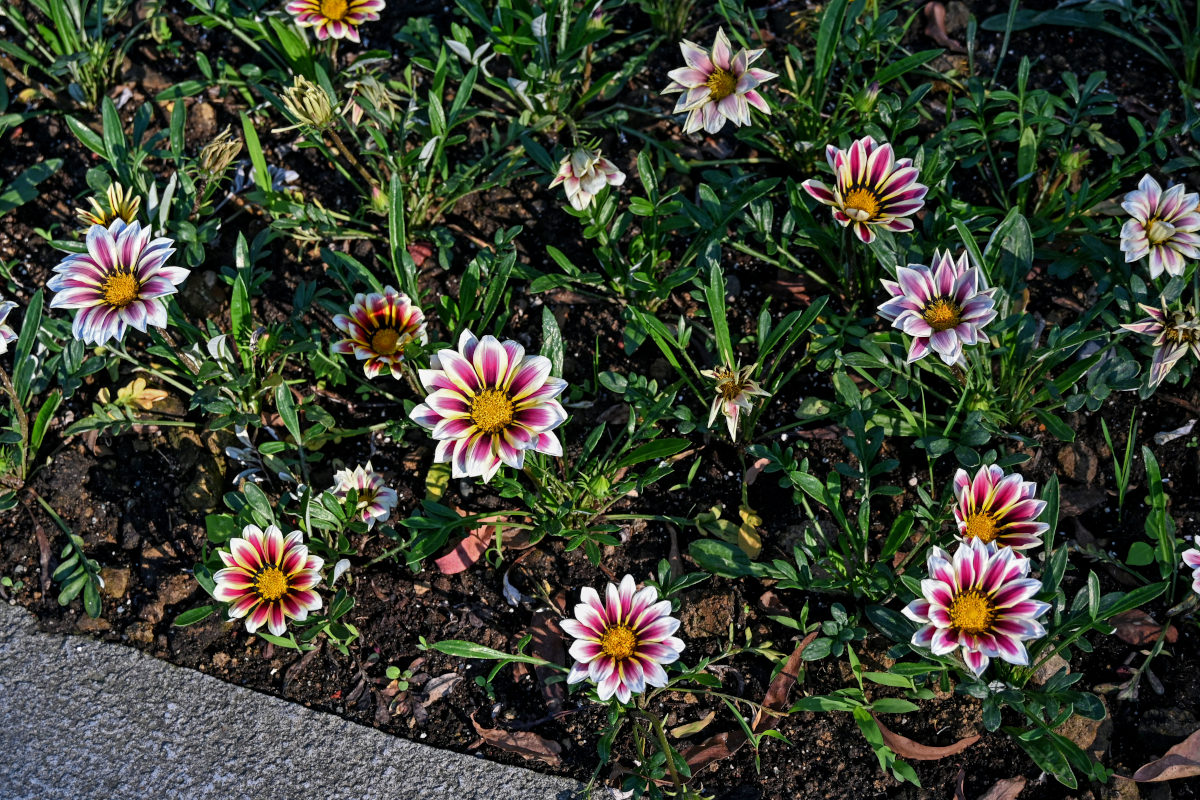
(84, 719)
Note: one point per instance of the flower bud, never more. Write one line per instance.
(218, 154)
(308, 103)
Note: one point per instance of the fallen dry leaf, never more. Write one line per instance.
(936, 29)
(439, 687)
(1007, 789)
(1181, 761)
(470, 549)
(547, 643)
(526, 744)
(754, 469)
(1139, 629)
(907, 748)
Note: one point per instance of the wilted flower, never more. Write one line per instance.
(7, 334)
(734, 390)
(583, 173)
(981, 601)
(488, 403)
(1165, 226)
(622, 645)
(999, 508)
(1174, 332)
(378, 329)
(217, 155)
(1191, 558)
(120, 204)
(268, 578)
(942, 308)
(717, 86)
(119, 281)
(337, 18)
(308, 103)
(375, 500)
(871, 187)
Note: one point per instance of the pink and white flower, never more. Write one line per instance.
(1174, 332)
(997, 508)
(375, 499)
(1191, 558)
(734, 390)
(717, 86)
(379, 329)
(488, 403)
(1165, 226)
(268, 578)
(7, 334)
(622, 642)
(120, 281)
(337, 18)
(871, 187)
(980, 601)
(942, 308)
(583, 173)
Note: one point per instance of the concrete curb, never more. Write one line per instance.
(88, 719)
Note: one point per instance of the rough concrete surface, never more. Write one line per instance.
(84, 719)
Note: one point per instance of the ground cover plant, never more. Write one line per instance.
(739, 400)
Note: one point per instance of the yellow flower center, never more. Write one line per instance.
(120, 289)
(972, 611)
(942, 314)
(720, 84)
(1158, 231)
(1178, 329)
(618, 642)
(334, 9)
(492, 410)
(982, 526)
(861, 204)
(384, 341)
(270, 583)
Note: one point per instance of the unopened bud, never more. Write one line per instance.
(218, 154)
(308, 103)
(119, 203)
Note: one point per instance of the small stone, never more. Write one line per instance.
(116, 582)
(1049, 669)
(140, 632)
(1092, 735)
(220, 660)
(176, 589)
(1078, 462)
(1120, 789)
(153, 612)
(89, 625)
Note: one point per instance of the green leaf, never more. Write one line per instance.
(893, 705)
(888, 679)
(286, 405)
(254, 150)
(194, 615)
(23, 188)
(45, 414)
(241, 317)
(464, 649)
(88, 137)
(403, 266)
(722, 558)
(657, 449)
(259, 504)
(714, 293)
(552, 342)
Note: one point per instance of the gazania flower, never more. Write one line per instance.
(1191, 558)
(7, 334)
(1174, 332)
(717, 86)
(120, 281)
(1164, 226)
(378, 330)
(621, 645)
(488, 403)
(268, 578)
(999, 508)
(942, 308)
(375, 500)
(734, 390)
(981, 601)
(337, 18)
(583, 173)
(871, 187)
(119, 204)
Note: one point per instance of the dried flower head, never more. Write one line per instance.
(488, 403)
(583, 173)
(622, 645)
(734, 390)
(717, 86)
(268, 578)
(1174, 332)
(119, 204)
(120, 281)
(871, 187)
(942, 308)
(335, 18)
(217, 155)
(981, 601)
(1164, 226)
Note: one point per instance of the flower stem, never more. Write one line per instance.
(661, 735)
(22, 420)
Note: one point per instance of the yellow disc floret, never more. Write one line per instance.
(981, 526)
(861, 204)
(334, 9)
(492, 410)
(972, 612)
(120, 289)
(619, 642)
(942, 314)
(384, 341)
(721, 83)
(270, 583)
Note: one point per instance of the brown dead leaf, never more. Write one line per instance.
(526, 744)
(1181, 761)
(1139, 629)
(1007, 789)
(439, 687)
(936, 29)
(754, 469)
(470, 549)
(907, 748)
(547, 643)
